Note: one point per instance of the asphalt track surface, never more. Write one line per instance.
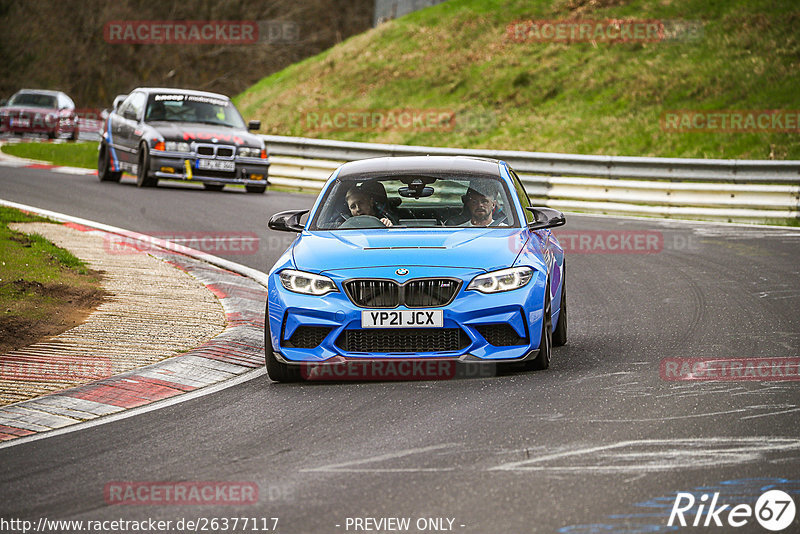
(598, 443)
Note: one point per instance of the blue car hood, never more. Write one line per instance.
(471, 248)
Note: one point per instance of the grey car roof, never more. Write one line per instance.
(177, 91)
(41, 91)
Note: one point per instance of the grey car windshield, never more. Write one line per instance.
(192, 108)
(416, 202)
(35, 100)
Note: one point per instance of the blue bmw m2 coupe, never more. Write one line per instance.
(417, 258)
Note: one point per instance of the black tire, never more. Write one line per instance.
(213, 187)
(277, 371)
(542, 361)
(560, 333)
(74, 136)
(143, 178)
(255, 188)
(104, 171)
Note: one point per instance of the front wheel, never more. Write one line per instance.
(143, 178)
(560, 332)
(542, 361)
(104, 171)
(277, 371)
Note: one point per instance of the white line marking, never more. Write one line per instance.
(344, 466)
(670, 454)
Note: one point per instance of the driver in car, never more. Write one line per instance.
(360, 202)
(480, 206)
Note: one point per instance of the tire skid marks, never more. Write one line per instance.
(631, 457)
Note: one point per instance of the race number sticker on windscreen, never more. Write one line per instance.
(402, 319)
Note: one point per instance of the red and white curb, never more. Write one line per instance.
(234, 356)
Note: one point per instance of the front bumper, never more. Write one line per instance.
(501, 327)
(173, 166)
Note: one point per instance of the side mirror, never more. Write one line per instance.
(254, 125)
(545, 218)
(287, 221)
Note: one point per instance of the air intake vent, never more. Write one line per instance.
(501, 335)
(391, 340)
(307, 337)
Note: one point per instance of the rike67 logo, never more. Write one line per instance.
(774, 510)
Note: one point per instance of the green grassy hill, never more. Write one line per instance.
(572, 97)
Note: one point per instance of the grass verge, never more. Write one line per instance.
(604, 98)
(44, 289)
(82, 155)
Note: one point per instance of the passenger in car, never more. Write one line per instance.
(360, 202)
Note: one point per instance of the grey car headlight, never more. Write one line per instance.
(307, 283)
(502, 280)
(177, 146)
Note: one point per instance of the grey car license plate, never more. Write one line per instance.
(216, 165)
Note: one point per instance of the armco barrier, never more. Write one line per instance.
(709, 189)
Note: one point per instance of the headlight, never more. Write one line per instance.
(503, 280)
(177, 146)
(307, 283)
(249, 152)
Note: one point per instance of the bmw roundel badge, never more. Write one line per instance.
(401, 272)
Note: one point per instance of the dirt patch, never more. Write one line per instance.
(68, 306)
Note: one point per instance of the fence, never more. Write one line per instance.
(710, 189)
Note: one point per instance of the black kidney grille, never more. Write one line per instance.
(501, 335)
(429, 292)
(373, 293)
(420, 293)
(205, 150)
(405, 340)
(225, 152)
(307, 337)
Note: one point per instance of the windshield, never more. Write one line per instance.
(192, 108)
(415, 201)
(35, 100)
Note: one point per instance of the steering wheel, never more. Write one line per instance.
(362, 221)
